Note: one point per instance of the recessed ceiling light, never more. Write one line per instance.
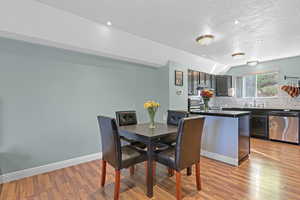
(205, 39)
(238, 55)
(236, 22)
(108, 23)
(253, 62)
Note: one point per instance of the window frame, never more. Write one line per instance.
(256, 74)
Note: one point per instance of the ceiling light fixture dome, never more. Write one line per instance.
(205, 39)
(252, 62)
(238, 55)
(108, 23)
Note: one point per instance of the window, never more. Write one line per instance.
(258, 85)
(249, 86)
(267, 84)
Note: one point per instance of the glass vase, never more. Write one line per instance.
(151, 117)
(206, 107)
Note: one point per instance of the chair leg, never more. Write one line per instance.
(178, 185)
(103, 172)
(146, 169)
(154, 169)
(198, 180)
(131, 170)
(189, 171)
(170, 172)
(117, 184)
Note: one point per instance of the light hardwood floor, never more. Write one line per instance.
(271, 173)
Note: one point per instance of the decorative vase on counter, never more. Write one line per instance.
(151, 107)
(206, 107)
(206, 95)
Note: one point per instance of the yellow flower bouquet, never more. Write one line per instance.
(152, 107)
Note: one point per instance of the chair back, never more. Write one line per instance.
(125, 118)
(174, 116)
(111, 147)
(188, 144)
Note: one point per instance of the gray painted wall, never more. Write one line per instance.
(49, 100)
(286, 66)
(177, 102)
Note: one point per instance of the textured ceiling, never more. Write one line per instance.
(267, 29)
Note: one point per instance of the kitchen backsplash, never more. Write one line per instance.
(281, 101)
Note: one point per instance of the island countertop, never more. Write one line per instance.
(221, 113)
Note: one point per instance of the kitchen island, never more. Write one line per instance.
(226, 135)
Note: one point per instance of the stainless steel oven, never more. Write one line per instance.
(195, 104)
(284, 126)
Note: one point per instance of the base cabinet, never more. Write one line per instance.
(259, 126)
(259, 122)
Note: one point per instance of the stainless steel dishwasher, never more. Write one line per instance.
(284, 126)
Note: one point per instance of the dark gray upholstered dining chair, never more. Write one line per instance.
(186, 152)
(125, 118)
(174, 116)
(119, 157)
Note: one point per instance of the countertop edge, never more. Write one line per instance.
(222, 114)
(262, 109)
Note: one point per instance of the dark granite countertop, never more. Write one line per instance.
(222, 113)
(262, 109)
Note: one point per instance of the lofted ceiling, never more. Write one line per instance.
(264, 30)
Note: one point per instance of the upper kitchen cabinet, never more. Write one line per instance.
(197, 79)
(190, 82)
(193, 82)
(223, 83)
(213, 81)
(208, 80)
(202, 80)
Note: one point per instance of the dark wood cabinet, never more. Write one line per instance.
(259, 121)
(213, 81)
(220, 83)
(198, 79)
(223, 83)
(190, 82)
(193, 82)
(202, 78)
(208, 80)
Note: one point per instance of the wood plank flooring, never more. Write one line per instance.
(271, 173)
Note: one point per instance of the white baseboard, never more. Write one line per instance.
(47, 168)
(75, 161)
(220, 157)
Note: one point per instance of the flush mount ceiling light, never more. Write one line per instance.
(108, 23)
(205, 39)
(253, 62)
(238, 55)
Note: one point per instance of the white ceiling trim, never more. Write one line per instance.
(36, 22)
